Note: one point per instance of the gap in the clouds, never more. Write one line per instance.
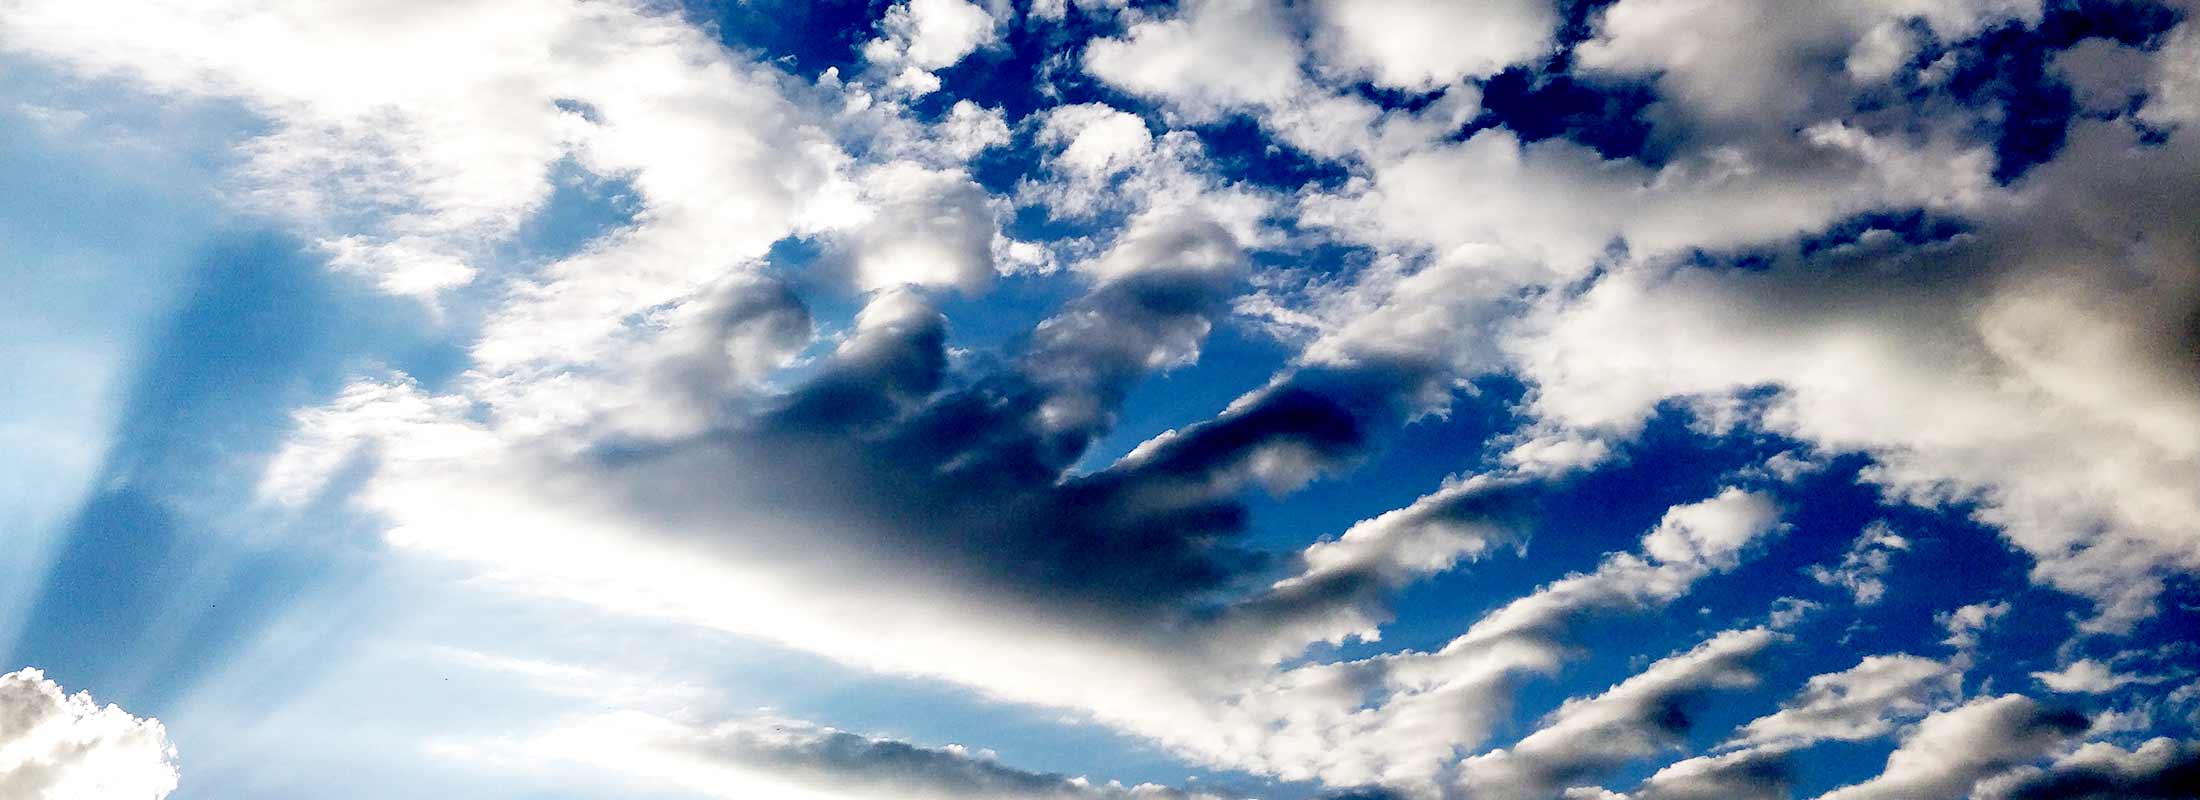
(805, 37)
(1039, 64)
(1605, 116)
(2008, 68)
(1915, 227)
(1240, 151)
(1408, 463)
(1829, 765)
(582, 207)
(1233, 361)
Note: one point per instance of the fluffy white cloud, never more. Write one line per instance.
(918, 37)
(412, 138)
(927, 227)
(1712, 532)
(59, 746)
(1209, 59)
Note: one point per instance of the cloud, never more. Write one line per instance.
(919, 37)
(678, 420)
(1864, 702)
(1830, 333)
(775, 757)
(1865, 566)
(1772, 71)
(59, 746)
(1211, 58)
(2088, 676)
(1964, 624)
(927, 228)
(1643, 715)
(1398, 719)
(1422, 46)
(2158, 769)
(411, 157)
(1951, 751)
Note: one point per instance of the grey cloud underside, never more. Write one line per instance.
(2159, 769)
(890, 449)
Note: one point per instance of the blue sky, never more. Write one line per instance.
(1100, 399)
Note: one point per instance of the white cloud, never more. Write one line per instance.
(1964, 624)
(59, 746)
(1865, 565)
(1586, 737)
(623, 419)
(1210, 59)
(1866, 701)
(1414, 45)
(927, 228)
(2088, 676)
(1862, 702)
(1787, 612)
(1951, 751)
(1712, 532)
(1098, 142)
(413, 137)
(1840, 340)
(919, 37)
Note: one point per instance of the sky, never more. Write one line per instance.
(1099, 399)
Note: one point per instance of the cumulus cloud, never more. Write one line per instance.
(928, 228)
(918, 37)
(1209, 59)
(1421, 46)
(60, 746)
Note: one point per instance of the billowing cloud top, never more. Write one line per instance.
(1090, 399)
